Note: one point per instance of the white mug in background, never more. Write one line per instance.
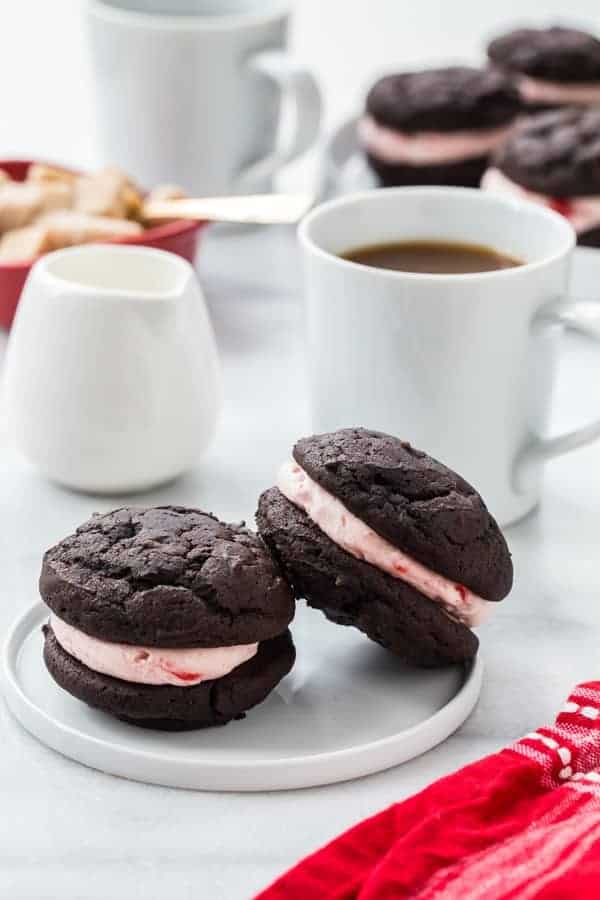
(192, 91)
(460, 365)
(112, 379)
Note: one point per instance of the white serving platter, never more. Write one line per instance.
(349, 708)
(344, 167)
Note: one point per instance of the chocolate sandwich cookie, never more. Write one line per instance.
(551, 67)
(381, 536)
(437, 126)
(553, 159)
(166, 617)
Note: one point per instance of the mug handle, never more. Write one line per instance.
(582, 317)
(298, 87)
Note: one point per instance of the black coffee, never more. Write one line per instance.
(432, 257)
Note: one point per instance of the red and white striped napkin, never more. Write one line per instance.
(523, 823)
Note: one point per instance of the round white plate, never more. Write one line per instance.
(344, 168)
(348, 708)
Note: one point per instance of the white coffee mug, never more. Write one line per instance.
(112, 379)
(192, 91)
(460, 365)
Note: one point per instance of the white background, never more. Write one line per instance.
(45, 106)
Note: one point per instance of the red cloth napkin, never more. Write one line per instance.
(523, 823)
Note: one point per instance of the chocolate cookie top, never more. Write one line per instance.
(166, 576)
(555, 153)
(444, 100)
(415, 502)
(552, 54)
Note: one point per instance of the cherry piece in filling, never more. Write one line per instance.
(561, 205)
(183, 676)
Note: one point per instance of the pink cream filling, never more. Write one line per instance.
(582, 212)
(150, 665)
(355, 537)
(535, 90)
(424, 148)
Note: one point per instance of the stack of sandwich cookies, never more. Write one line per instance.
(551, 67)
(381, 536)
(166, 617)
(553, 158)
(438, 126)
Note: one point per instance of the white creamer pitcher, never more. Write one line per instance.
(112, 376)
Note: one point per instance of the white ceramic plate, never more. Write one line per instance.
(348, 708)
(344, 168)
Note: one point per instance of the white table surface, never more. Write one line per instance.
(70, 832)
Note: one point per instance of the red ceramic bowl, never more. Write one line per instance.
(179, 237)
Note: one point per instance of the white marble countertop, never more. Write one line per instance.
(70, 832)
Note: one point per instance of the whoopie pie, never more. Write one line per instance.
(166, 617)
(437, 126)
(381, 536)
(551, 67)
(553, 159)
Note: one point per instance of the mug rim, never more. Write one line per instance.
(189, 21)
(358, 197)
(42, 268)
